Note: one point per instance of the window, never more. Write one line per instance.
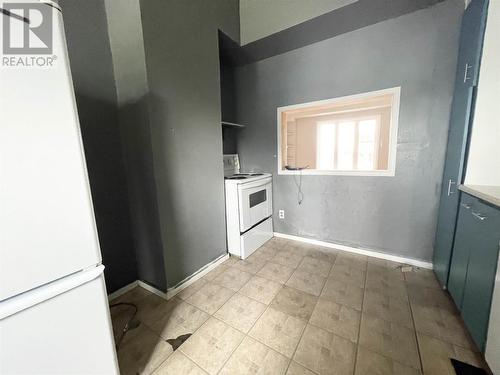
(348, 144)
(353, 135)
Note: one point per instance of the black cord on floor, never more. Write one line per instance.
(128, 326)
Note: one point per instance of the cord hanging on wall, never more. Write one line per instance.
(300, 193)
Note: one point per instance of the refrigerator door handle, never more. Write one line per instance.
(43, 293)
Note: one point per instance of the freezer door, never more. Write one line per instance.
(60, 328)
(47, 226)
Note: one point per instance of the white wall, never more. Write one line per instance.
(493, 342)
(127, 48)
(483, 166)
(260, 18)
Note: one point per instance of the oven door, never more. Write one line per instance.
(255, 202)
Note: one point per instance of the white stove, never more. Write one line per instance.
(249, 208)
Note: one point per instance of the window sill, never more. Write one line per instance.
(314, 172)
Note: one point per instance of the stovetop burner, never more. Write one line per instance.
(236, 178)
(248, 174)
(243, 176)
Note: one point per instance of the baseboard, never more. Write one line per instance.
(356, 250)
(175, 289)
(151, 289)
(196, 276)
(123, 290)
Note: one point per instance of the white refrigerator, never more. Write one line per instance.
(54, 315)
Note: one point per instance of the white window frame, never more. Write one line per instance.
(393, 136)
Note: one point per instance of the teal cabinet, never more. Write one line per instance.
(481, 270)
(461, 251)
(469, 55)
(474, 264)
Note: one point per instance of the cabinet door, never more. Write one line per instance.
(481, 271)
(461, 251)
(471, 40)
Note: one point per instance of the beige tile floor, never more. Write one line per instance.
(293, 308)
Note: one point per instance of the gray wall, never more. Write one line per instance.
(127, 47)
(260, 18)
(92, 70)
(228, 107)
(396, 215)
(182, 60)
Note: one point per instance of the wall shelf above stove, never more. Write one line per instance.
(232, 124)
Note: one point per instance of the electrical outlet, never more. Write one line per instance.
(281, 214)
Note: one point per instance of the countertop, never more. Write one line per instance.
(490, 194)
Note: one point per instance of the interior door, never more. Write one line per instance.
(471, 40)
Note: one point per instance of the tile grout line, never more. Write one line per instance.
(237, 346)
(251, 337)
(437, 337)
(252, 275)
(307, 322)
(152, 331)
(416, 332)
(230, 355)
(161, 338)
(244, 334)
(302, 334)
(432, 335)
(213, 315)
(282, 285)
(173, 351)
(191, 359)
(360, 319)
(253, 325)
(414, 326)
(269, 306)
(192, 334)
(411, 316)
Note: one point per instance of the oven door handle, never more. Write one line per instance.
(255, 184)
